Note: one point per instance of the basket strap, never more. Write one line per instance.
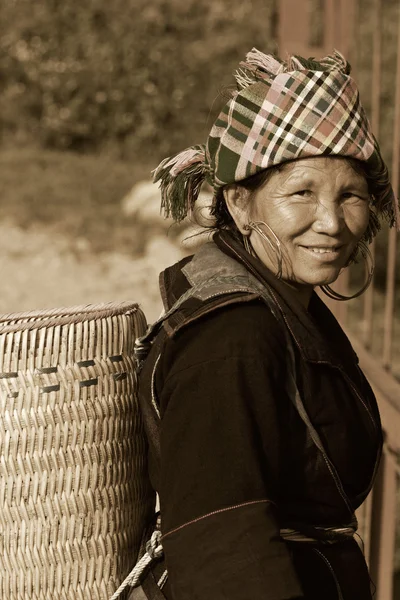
(154, 551)
(148, 403)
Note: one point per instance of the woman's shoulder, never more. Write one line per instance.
(243, 331)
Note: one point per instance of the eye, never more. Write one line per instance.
(355, 196)
(303, 193)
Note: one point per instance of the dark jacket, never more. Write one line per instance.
(268, 426)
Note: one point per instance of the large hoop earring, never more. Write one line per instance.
(370, 267)
(247, 245)
(276, 248)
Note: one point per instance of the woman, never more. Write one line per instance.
(270, 435)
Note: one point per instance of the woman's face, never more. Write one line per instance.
(319, 209)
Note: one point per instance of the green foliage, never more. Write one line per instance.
(137, 74)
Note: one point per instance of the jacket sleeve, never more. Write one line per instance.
(223, 405)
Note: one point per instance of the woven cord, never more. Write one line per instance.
(154, 550)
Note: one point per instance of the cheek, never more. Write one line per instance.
(285, 219)
(357, 219)
(292, 221)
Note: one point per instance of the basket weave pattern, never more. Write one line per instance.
(73, 489)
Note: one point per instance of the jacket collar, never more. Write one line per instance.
(224, 267)
(316, 332)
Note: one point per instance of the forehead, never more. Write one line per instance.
(321, 168)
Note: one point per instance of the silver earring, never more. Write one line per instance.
(247, 245)
(370, 267)
(276, 247)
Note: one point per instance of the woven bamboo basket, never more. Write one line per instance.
(73, 475)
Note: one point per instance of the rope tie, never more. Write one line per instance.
(154, 547)
(154, 550)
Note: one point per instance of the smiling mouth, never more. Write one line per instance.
(325, 253)
(333, 250)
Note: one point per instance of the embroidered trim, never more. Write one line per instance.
(216, 512)
(163, 580)
(153, 393)
(335, 579)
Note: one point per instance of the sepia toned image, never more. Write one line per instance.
(200, 310)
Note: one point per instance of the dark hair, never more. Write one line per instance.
(223, 219)
(219, 210)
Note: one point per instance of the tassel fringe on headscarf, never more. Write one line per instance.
(181, 177)
(265, 67)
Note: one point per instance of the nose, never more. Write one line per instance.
(329, 218)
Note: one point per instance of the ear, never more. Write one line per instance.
(237, 202)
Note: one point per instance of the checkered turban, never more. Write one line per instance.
(280, 111)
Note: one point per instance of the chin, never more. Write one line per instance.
(316, 279)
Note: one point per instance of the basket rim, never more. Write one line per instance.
(37, 319)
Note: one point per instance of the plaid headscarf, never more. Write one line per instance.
(281, 111)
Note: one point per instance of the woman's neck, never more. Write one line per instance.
(303, 292)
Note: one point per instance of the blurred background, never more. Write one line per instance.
(94, 94)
